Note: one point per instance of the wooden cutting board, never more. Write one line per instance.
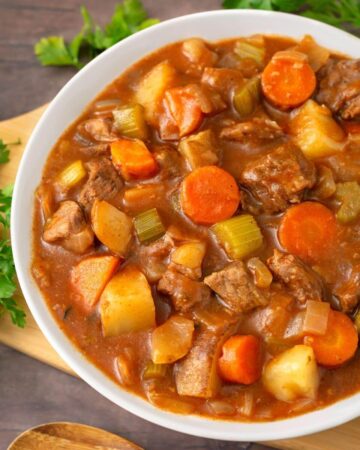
(33, 343)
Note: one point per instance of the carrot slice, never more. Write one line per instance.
(241, 360)
(133, 159)
(308, 230)
(288, 81)
(209, 195)
(90, 276)
(185, 108)
(338, 344)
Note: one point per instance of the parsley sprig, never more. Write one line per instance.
(129, 17)
(334, 12)
(7, 267)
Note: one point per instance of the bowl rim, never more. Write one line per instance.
(307, 423)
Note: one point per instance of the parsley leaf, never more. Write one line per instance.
(7, 267)
(5, 151)
(334, 12)
(128, 18)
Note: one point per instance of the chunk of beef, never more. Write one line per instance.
(348, 291)
(68, 227)
(279, 178)
(99, 129)
(154, 258)
(169, 160)
(339, 87)
(196, 374)
(103, 182)
(303, 283)
(236, 288)
(258, 129)
(96, 150)
(222, 80)
(184, 292)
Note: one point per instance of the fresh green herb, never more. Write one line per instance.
(7, 267)
(5, 151)
(128, 18)
(334, 12)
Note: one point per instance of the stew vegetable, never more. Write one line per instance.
(197, 229)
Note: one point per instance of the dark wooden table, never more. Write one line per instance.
(30, 392)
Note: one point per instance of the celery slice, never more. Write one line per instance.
(240, 235)
(245, 50)
(348, 194)
(72, 175)
(148, 226)
(247, 97)
(153, 370)
(130, 121)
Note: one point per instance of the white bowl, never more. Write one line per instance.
(63, 110)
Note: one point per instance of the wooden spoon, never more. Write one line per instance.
(70, 436)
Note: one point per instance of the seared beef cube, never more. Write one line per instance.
(96, 150)
(196, 374)
(68, 219)
(348, 291)
(154, 258)
(103, 183)
(68, 227)
(303, 283)
(258, 129)
(339, 87)
(184, 292)
(279, 178)
(236, 288)
(100, 130)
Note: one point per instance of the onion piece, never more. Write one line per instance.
(295, 328)
(220, 407)
(316, 317)
(107, 104)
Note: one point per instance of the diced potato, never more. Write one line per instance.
(151, 89)
(143, 197)
(172, 340)
(348, 194)
(126, 304)
(198, 54)
(196, 374)
(199, 149)
(315, 131)
(292, 374)
(189, 256)
(262, 275)
(112, 227)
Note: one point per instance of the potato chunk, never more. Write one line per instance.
(199, 149)
(315, 131)
(126, 303)
(112, 227)
(171, 340)
(292, 374)
(151, 89)
(188, 258)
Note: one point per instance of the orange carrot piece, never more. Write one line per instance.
(241, 360)
(209, 195)
(90, 276)
(133, 159)
(308, 230)
(288, 82)
(185, 108)
(338, 344)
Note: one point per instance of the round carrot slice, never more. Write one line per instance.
(241, 360)
(338, 344)
(308, 230)
(209, 195)
(288, 82)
